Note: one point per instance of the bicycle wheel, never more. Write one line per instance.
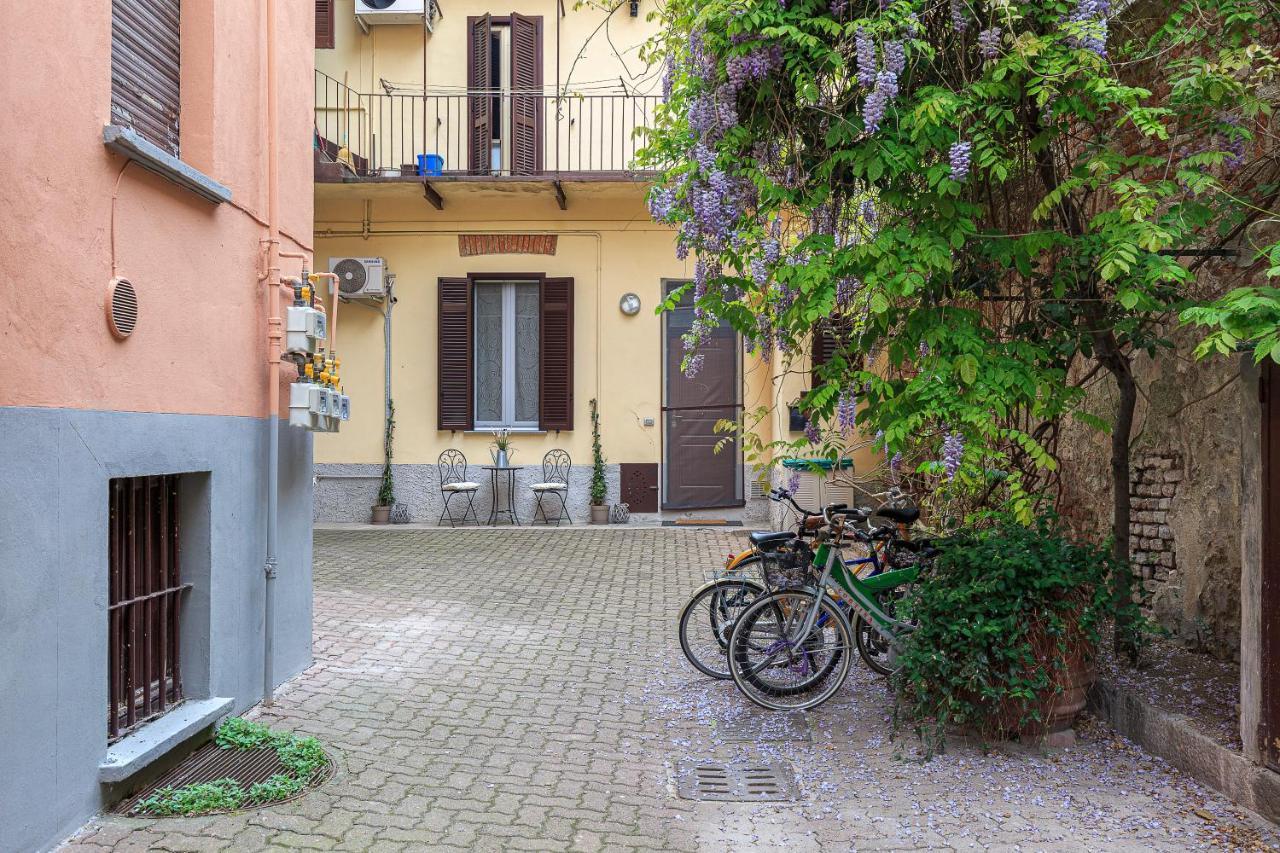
(780, 671)
(707, 619)
(876, 651)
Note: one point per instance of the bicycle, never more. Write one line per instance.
(717, 603)
(790, 649)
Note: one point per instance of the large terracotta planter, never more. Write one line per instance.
(379, 514)
(1065, 697)
(600, 514)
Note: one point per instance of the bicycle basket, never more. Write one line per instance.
(789, 566)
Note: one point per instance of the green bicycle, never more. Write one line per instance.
(791, 649)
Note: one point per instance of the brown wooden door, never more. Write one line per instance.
(694, 475)
(1269, 621)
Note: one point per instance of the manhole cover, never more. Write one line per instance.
(739, 781)
(764, 727)
(209, 763)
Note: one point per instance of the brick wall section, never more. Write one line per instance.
(506, 244)
(1152, 489)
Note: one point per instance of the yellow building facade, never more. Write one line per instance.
(502, 199)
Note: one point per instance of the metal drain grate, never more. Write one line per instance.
(737, 781)
(754, 728)
(209, 763)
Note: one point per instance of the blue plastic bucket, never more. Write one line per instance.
(430, 164)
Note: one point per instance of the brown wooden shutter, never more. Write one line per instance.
(324, 24)
(526, 98)
(146, 69)
(828, 336)
(453, 366)
(479, 104)
(555, 356)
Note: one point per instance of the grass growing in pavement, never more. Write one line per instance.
(301, 757)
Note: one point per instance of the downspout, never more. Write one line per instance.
(274, 341)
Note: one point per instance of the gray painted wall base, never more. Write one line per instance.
(345, 492)
(55, 465)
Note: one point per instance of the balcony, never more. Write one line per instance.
(480, 136)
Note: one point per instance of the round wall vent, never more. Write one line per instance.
(122, 307)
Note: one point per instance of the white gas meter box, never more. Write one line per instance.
(345, 411)
(305, 328)
(300, 412)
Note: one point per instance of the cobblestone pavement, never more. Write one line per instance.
(524, 690)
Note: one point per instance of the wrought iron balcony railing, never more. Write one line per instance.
(481, 134)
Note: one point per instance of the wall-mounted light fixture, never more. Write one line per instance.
(629, 304)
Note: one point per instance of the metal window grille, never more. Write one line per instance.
(145, 594)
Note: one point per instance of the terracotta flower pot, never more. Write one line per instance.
(1064, 697)
(380, 514)
(600, 514)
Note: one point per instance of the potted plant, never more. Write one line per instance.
(381, 511)
(502, 449)
(599, 488)
(1008, 621)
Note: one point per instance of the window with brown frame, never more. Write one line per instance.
(505, 352)
(324, 24)
(144, 611)
(505, 107)
(146, 62)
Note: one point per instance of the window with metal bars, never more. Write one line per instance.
(145, 601)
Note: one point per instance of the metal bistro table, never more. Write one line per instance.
(497, 510)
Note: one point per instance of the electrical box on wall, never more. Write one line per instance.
(305, 330)
(317, 408)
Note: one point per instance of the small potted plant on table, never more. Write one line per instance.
(599, 488)
(502, 449)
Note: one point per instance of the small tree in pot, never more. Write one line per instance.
(599, 488)
(381, 511)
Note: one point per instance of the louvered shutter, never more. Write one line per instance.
(480, 102)
(146, 69)
(324, 24)
(828, 336)
(453, 366)
(555, 357)
(526, 94)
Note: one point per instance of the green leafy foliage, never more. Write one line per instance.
(1000, 614)
(387, 489)
(302, 757)
(599, 487)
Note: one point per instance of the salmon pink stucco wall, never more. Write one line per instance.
(200, 343)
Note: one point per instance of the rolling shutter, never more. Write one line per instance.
(324, 24)
(480, 102)
(555, 357)
(453, 377)
(145, 69)
(526, 94)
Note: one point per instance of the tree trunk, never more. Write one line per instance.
(1121, 369)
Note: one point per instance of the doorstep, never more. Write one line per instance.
(132, 753)
(1174, 738)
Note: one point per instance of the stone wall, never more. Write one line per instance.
(1185, 485)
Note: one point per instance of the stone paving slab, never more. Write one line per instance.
(513, 690)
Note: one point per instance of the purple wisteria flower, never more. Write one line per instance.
(838, 8)
(873, 109)
(693, 365)
(1088, 30)
(952, 452)
(868, 212)
(1232, 142)
(846, 290)
(895, 57)
(959, 16)
(847, 410)
(759, 273)
(960, 156)
(895, 463)
(865, 55)
(989, 43)
(793, 482)
(811, 431)
(923, 349)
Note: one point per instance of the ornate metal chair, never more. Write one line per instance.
(454, 482)
(555, 481)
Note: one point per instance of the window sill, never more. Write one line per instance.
(510, 431)
(151, 742)
(128, 143)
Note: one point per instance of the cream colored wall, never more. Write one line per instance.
(590, 55)
(607, 245)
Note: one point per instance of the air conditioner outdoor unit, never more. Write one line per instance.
(360, 278)
(369, 12)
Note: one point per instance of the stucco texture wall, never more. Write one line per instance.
(200, 342)
(1186, 457)
(606, 243)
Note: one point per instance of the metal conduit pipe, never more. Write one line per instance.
(274, 338)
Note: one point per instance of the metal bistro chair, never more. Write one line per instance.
(555, 481)
(454, 482)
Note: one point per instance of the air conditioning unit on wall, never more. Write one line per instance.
(360, 278)
(369, 12)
